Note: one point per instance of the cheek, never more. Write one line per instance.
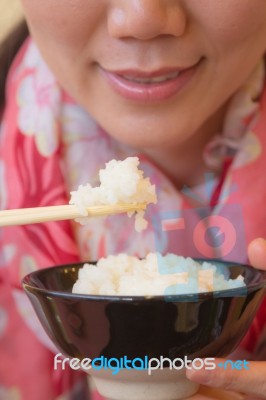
(229, 22)
(67, 22)
(65, 32)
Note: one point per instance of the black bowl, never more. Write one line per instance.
(203, 325)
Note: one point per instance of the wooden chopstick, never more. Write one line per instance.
(23, 216)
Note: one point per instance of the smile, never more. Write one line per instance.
(154, 86)
(151, 80)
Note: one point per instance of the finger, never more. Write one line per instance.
(206, 393)
(250, 380)
(220, 394)
(257, 253)
(200, 397)
(252, 398)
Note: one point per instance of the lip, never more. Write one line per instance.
(149, 92)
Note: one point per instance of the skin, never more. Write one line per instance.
(76, 37)
(79, 37)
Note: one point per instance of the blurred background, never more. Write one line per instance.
(10, 13)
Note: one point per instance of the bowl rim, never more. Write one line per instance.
(188, 297)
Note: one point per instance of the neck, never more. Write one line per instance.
(184, 163)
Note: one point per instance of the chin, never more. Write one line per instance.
(146, 129)
(140, 139)
(145, 134)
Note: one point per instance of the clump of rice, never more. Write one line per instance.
(120, 182)
(154, 275)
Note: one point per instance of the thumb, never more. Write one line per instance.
(241, 376)
(257, 253)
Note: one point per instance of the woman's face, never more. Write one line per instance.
(150, 71)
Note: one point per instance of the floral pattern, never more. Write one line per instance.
(9, 393)
(3, 192)
(38, 99)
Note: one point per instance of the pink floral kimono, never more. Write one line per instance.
(48, 146)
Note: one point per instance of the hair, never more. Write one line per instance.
(8, 50)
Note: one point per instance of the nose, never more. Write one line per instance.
(146, 19)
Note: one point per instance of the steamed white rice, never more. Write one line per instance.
(154, 275)
(120, 182)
